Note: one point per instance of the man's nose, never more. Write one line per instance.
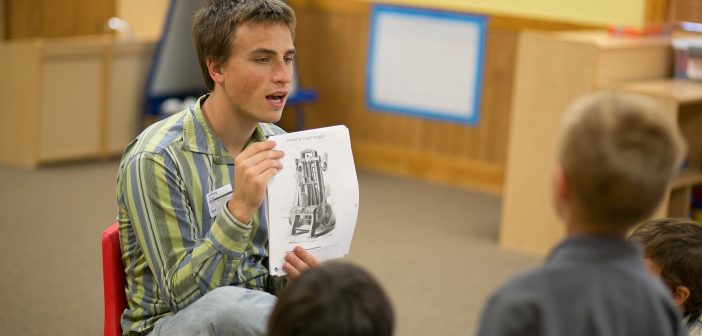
(283, 73)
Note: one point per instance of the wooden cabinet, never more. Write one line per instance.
(73, 98)
(553, 69)
(70, 97)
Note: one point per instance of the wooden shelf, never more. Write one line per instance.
(564, 67)
(686, 179)
(682, 91)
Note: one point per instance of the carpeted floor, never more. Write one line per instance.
(433, 247)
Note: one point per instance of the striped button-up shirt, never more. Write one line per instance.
(173, 250)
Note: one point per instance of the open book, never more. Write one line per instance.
(313, 201)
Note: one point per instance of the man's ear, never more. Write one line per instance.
(680, 295)
(215, 70)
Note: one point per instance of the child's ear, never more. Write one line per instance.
(559, 190)
(680, 295)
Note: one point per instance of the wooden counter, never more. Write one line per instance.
(70, 98)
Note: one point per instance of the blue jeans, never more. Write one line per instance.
(224, 311)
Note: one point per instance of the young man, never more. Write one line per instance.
(617, 156)
(193, 231)
(335, 299)
(673, 251)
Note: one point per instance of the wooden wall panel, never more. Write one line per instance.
(56, 18)
(685, 10)
(19, 92)
(656, 11)
(3, 20)
(332, 41)
(146, 18)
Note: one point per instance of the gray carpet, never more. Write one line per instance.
(433, 247)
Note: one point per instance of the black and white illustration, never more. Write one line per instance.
(313, 201)
(311, 212)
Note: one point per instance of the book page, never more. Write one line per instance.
(313, 201)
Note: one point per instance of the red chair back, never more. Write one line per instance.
(113, 281)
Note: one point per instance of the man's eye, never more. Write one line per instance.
(289, 59)
(262, 60)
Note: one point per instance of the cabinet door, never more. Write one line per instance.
(129, 66)
(72, 105)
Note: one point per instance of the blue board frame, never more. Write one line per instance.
(470, 117)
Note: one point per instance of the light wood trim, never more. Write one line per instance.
(686, 179)
(338, 6)
(517, 23)
(678, 204)
(656, 11)
(430, 166)
(604, 40)
(682, 92)
(56, 18)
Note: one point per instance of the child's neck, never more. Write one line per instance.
(576, 227)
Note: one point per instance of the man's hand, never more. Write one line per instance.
(253, 168)
(298, 261)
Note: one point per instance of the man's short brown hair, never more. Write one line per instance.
(675, 246)
(619, 153)
(215, 24)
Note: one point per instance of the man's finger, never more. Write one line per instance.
(306, 257)
(291, 271)
(253, 149)
(296, 262)
(266, 175)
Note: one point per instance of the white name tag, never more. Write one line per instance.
(217, 199)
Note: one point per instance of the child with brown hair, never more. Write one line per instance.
(335, 299)
(673, 251)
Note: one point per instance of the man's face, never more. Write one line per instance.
(257, 75)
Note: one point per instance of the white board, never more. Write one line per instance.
(426, 63)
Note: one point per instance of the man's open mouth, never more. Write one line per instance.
(276, 98)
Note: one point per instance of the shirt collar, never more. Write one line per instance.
(597, 249)
(199, 137)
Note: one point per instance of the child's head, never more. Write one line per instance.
(617, 154)
(673, 251)
(333, 299)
